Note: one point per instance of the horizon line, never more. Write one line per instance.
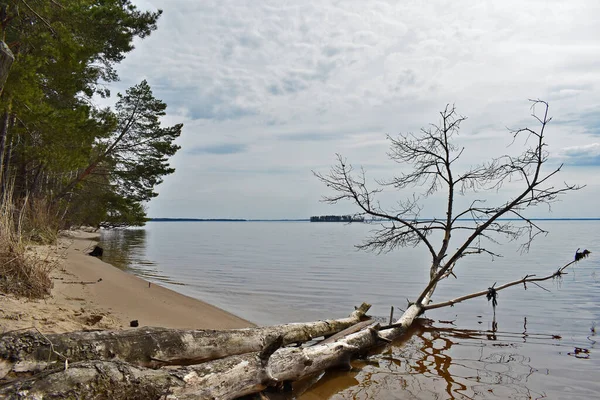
(191, 219)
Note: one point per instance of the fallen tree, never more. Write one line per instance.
(249, 364)
(226, 378)
(25, 352)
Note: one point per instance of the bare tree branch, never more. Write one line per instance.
(432, 155)
(348, 187)
(528, 164)
(526, 279)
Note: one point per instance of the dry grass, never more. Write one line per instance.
(39, 222)
(22, 273)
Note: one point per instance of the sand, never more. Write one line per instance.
(91, 294)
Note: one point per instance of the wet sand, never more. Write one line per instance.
(91, 294)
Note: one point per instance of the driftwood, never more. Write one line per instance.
(97, 252)
(226, 378)
(25, 352)
(353, 329)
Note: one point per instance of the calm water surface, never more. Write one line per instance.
(539, 344)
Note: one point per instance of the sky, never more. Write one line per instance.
(270, 91)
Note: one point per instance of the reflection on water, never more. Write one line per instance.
(537, 344)
(434, 362)
(126, 248)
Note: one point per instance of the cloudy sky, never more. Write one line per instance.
(271, 90)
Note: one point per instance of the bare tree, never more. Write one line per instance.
(433, 157)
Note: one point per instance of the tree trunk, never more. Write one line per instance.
(153, 347)
(223, 379)
(35, 184)
(6, 60)
(227, 378)
(67, 189)
(4, 122)
(5, 176)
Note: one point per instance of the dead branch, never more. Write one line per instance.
(528, 166)
(526, 279)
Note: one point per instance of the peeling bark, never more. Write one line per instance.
(153, 347)
(227, 378)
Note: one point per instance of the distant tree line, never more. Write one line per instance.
(61, 154)
(336, 218)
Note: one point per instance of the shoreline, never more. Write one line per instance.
(89, 293)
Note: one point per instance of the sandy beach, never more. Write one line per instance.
(91, 294)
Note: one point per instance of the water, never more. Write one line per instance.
(539, 344)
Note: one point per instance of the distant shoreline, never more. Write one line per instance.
(196, 220)
(308, 220)
(223, 220)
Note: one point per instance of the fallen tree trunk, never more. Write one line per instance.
(227, 378)
(26, 352)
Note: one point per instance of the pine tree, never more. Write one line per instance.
(134, 156)
(51, 136)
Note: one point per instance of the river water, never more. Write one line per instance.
(539, 343)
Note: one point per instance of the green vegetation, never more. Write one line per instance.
(82, 164)
(63, 160)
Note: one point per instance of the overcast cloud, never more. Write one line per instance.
(270, 90)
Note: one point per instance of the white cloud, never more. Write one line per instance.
(592, 149)
(270, 90)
